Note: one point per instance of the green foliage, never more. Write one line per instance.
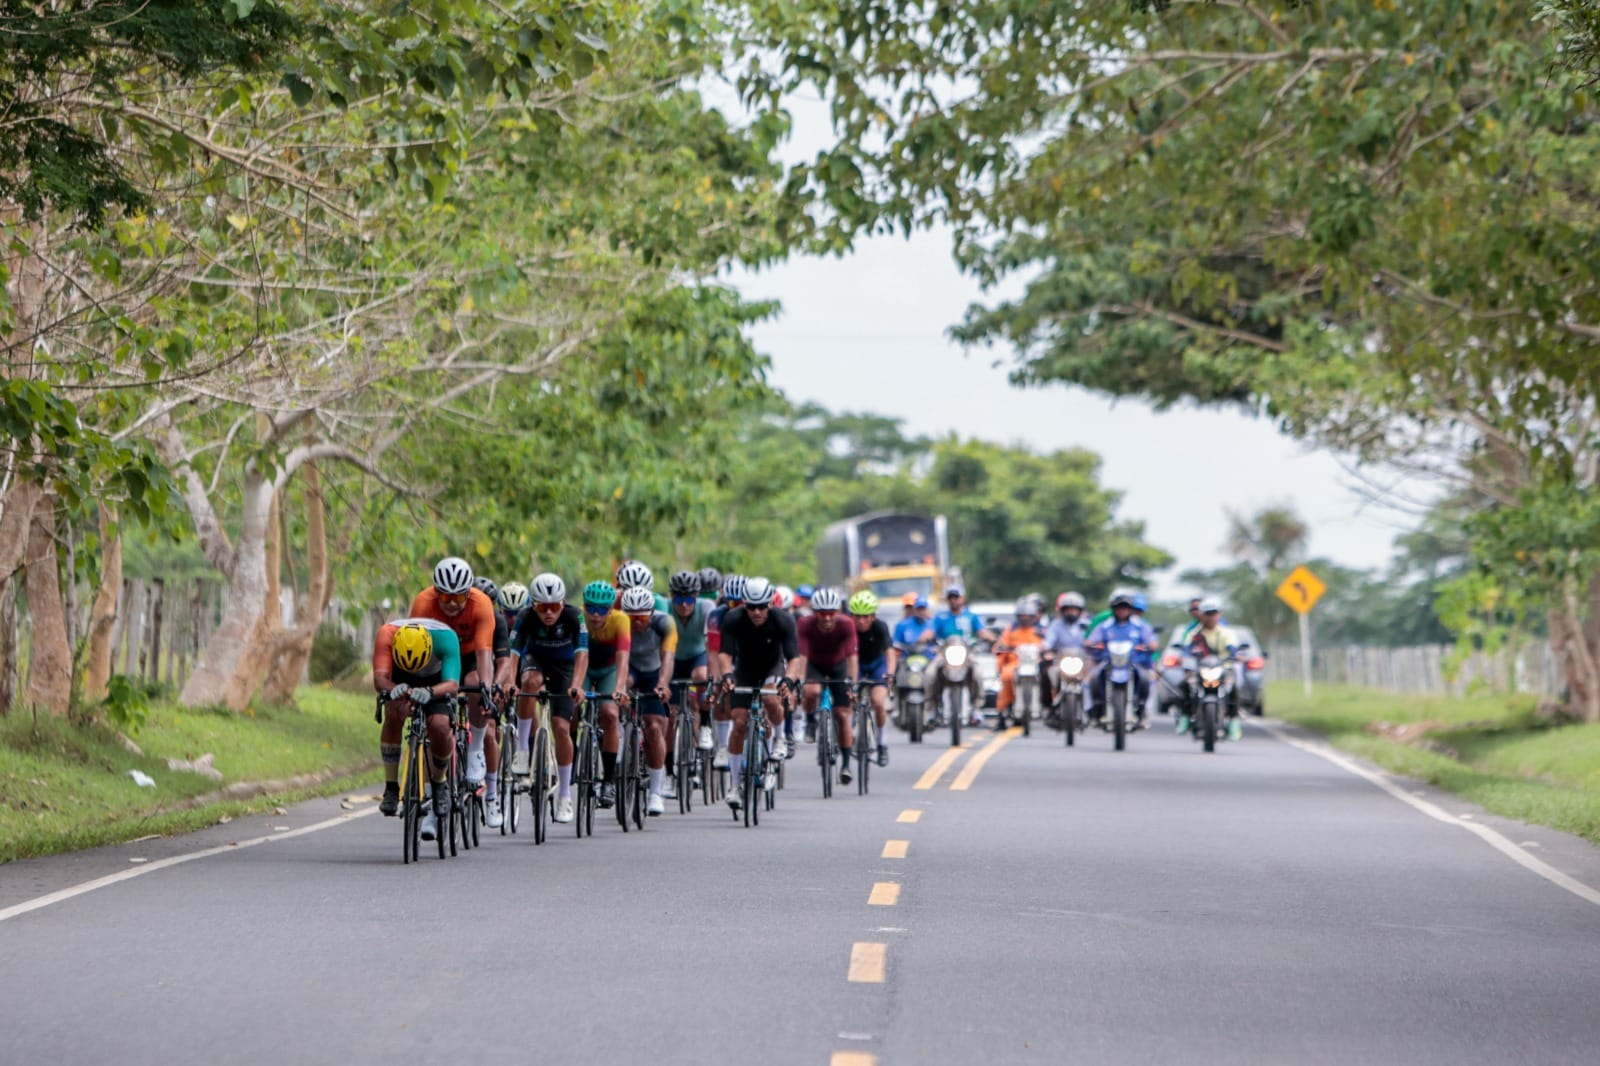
(127, 703)
(333, 654)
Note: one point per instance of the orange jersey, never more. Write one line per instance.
(1017, 636)
(473, 625)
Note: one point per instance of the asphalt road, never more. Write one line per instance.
(1160, 906)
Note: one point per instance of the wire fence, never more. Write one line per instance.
(1431, 669)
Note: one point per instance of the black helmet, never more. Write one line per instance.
(684, 583)
(711, 580)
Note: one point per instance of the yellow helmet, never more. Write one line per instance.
(412, 648)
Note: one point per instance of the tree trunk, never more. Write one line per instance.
(50, 670)
(8, 644)
(1575, 639)
(294, 645)
(16, 520)
(218, 678)
(103, 613)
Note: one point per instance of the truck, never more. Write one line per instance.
(889, 552)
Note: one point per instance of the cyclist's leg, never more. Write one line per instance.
(739, 704)
(441, 746)
(843, 713)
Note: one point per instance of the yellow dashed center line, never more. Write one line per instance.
(930, 778)
(970, 772)
(884, 894)
(909, 816)
(868, 962)
(895, 849)
(852, 1058)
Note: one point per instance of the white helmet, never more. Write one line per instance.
(827, 599)
(758, 592)
(452, 576)
(635, 575)
(637, 600)
(548, 588)
(1209, 605)
(513, 596)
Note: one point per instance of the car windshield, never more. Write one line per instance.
(896, 587)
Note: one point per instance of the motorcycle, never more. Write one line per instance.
(911, 694)
(1072, 673)
(1213, 684)
(1119, 688)
(1026, 684)
(955, 667)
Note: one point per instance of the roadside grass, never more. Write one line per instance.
(1491, 750)
(67, 786)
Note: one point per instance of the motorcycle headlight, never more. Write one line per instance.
(956, 655)
(1211, 673)
(1071, 664)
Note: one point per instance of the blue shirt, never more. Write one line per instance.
(1134, 629)
(910, 632)
(1062, 635)
(966, 624)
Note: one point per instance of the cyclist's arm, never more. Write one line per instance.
(580, 669)
(852, 668)
(485, 665)
(448, 649)
(383, 659)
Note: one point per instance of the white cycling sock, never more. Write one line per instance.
(735, 768)
(656, 779)
(491, 782)
(565, 774)
(724, 730)
(475, 745)
(524, 733)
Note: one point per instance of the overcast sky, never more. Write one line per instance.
(868, 333)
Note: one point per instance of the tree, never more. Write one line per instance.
(1267, 539)
(1371, 222)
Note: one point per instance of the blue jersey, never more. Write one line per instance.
(1134, 629)
(911, 632)
(966, 624)
(1063, 635)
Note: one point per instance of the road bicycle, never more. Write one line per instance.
(827, 740)
(864, 726)
(415, 805)
(690, 765)
(759, 778)
(632, 775)
(586, 765)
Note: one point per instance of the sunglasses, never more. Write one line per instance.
(684, 601)
(827, 614)
(757, 607)
(596, 611)
(453, 599)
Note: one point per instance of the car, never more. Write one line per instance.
(1252, 690)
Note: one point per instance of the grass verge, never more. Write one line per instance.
(67, 787)
(1492, 750)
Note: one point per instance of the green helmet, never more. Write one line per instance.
(864, 603)
(599, 594)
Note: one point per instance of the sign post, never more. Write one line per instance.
(1301, 590)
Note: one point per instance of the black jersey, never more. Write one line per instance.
(559, 642)
(873, 643)
(758, 651)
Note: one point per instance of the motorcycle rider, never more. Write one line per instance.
(1211, 637)
(914, 632)
(1024, 630)
(1122, 625)
(958, 620)
(1065, 633)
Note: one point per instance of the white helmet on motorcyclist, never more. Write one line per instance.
(1122, 598)
(1069, 599)
(1026, 608)
(1211, 606)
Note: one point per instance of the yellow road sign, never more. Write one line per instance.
(1301, 590)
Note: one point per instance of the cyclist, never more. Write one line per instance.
(878, 659)
(759, 650)
(690, 612)
(551, 647)
(652, 658)
(1122, 625)
(829, 656)
(633, 574)
(453, 600)
(513, 598)
(722, 718)
(802, 600)
(610, 640)
(505, 668)
(1211, 637)
(1025, 630)
(416, 660)
(710, 583)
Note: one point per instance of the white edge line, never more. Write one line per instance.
(18, 909)
(1493, 839)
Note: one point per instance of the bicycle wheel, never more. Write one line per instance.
(825, 748)
(411, 808)
(624, 780)
(641, 786)
(539, 787)
(507, 786)
(583, 780)
(750, 777)
(684, 762)
(866, 751)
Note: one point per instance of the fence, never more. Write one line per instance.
(1529, 668)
